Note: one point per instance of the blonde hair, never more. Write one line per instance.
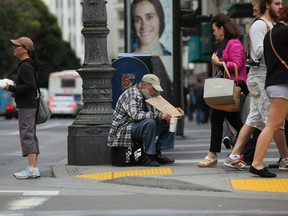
(253, 2)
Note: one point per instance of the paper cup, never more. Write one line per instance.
(173, 124)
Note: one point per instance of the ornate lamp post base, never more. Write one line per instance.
(87, 145)
(87, 136)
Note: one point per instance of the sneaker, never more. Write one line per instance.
(263, 172)
(283, 165)
(27, 173)
(148, 160)
(162, 159)
(275, 165)
(227, 142)
(236, 164)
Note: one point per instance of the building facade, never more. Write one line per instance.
(69, 17)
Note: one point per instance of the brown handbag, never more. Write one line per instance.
(231, 107)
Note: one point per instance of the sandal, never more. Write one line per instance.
(208, 163)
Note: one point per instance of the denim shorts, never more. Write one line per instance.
(277, 91)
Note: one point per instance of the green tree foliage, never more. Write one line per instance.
(31, 18)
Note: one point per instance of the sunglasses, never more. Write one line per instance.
(15, 46)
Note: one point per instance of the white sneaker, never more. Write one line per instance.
(236, 164)
(283, 165)
(28, 172)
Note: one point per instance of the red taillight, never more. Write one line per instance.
(73, 105)
(51, 105)
(10, 107)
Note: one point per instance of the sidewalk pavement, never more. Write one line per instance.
(178, 177)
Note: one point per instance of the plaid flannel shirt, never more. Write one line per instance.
(130, 107)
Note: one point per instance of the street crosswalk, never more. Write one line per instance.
(30, 192)
(194, 146)
(23, 200)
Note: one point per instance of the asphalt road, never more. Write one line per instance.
(71, 196)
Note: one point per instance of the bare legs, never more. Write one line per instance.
(243, 137)
(278, 111)
(32, 159)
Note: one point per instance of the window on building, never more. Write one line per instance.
(68, 83)
(121, 49)
(121, 33)
(120, 15)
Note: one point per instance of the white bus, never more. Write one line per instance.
(67, 82)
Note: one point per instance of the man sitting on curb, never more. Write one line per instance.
(135, 119)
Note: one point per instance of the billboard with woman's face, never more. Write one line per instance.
(149, 30)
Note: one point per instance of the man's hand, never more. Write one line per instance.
(181, 111)
(166, 117)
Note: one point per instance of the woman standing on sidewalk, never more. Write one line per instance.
(24, 91)
(230, 50)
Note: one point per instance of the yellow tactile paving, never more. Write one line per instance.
(118, 174)
(265, 185)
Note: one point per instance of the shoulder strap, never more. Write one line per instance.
(275, 52)
(36, 80)
(227, 71)
(267, 26)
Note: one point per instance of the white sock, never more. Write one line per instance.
(234, 157)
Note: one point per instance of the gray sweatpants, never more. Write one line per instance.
(27, 130)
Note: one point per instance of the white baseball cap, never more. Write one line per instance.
(153, 80)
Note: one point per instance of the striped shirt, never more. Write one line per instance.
(130, 107)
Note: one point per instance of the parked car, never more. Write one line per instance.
(11, 110)
(5, 98)
(63, 105)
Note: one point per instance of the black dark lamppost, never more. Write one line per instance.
(87, 136)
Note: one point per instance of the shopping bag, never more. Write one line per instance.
(43, 111)
(223, 93)
(231, 107)
(219, 91)
(4, 82)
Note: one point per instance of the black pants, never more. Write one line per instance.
(217, 119)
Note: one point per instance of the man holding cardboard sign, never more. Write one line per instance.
(134, 118)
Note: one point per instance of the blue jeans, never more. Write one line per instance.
(147, 130)
(199, 116)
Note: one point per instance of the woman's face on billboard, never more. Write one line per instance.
(146, 23)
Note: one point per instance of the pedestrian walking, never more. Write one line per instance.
(277, 89)
(199, 107)
(259, 101)
(230, 50)
(25, 92)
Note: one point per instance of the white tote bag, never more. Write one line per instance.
(220, 90)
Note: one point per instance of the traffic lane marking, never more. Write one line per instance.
(31, 192)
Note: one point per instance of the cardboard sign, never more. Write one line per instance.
(163, 105)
